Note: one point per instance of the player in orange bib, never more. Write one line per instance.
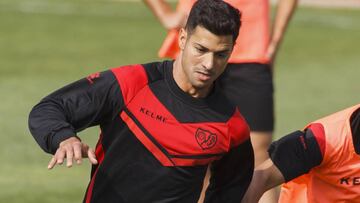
(319, 165)
(248, 80)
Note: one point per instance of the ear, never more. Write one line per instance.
(182, 38)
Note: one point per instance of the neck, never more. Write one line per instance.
(185, 85)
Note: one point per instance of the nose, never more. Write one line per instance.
(208, 61)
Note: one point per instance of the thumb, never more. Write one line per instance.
(92, 156)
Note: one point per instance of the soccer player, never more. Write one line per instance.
(248, 81)
(319, 164)
(162, 123)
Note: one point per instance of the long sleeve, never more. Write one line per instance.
(82, 104)
(231, 175)
(296, 153)
(355, 129)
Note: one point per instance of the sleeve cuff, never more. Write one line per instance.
(60, 136)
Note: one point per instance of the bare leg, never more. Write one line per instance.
(261, 142)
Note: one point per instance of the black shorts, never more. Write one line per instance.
(250, 87)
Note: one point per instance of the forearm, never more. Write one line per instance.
(73, 108)
(266, 176)
(160, 8)
(285, 10)
(169, 18)
(49, 126)
(270, 174)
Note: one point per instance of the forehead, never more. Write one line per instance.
(205, 38)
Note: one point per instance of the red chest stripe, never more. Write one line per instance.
(158, 150)
(172, 142)
(147, 141)
(183, 144)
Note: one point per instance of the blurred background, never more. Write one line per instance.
(45, 44)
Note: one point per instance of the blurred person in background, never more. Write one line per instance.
(162, 124)
(248, 80)
(319, 164)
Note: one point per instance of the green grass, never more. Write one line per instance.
(46, 44)
(318, 67)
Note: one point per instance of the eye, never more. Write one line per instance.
(222, 54)
(200, 50)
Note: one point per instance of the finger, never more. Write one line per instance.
(92, 156)
(84, 150)
(77, 153)
(69, 157)
(59, 156)
(52, 163)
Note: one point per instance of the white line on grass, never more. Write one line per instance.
(60, 8)
(47, 8)
(338, 22)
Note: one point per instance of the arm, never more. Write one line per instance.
(168, 18)
(55, 121)
(231, 175)
(290, 157)
(285, 10)
(266, 176)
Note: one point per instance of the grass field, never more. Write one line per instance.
(46, 44)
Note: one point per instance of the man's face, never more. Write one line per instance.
(205, 56)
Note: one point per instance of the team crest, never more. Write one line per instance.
(205, 138)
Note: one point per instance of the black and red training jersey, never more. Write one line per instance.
(156, 141)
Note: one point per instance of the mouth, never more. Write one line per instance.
(204, 76)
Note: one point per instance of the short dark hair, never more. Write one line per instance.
(217, 16)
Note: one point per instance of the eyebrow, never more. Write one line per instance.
(206, 49)
(201, 46)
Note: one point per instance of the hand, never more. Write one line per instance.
(271, 52)
(175, 20)
(72, 149)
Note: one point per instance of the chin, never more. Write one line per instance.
(202, 85)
